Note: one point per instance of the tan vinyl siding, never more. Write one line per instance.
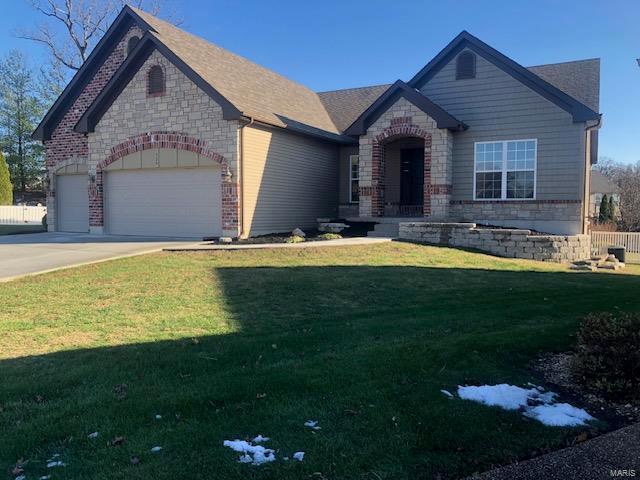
(498, 107)
(289, 180)
(345, 172)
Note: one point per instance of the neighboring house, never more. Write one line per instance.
(600, 186)
(163, 133)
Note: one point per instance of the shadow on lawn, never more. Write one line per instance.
(354, 346)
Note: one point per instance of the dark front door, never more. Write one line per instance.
(411, 176)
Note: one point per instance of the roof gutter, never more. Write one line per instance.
(587, 172)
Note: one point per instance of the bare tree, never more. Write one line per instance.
(73, 27)
(627, 178)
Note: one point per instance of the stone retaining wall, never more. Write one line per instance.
(502, 242)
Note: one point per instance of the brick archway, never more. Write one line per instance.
(170, 140)
(400, 128)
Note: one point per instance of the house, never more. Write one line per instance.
(600, 186)
(162, 133)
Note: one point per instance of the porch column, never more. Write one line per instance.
(438, 181)
(371, 174)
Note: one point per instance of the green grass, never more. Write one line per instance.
(233, 344)
(15, 229)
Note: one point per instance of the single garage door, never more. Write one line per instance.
(166, 202)
(72, 196)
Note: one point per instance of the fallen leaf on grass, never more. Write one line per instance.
(135, 460)
(119, 440)
(121, 391)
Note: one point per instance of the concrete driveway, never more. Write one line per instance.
(43, 252)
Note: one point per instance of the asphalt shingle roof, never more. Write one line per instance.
(344, 106)
(267, 96)
(256, 91)
(579, 79)
(601, 184)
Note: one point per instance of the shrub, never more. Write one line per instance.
(604, 209)
(295, 239)
(6, 189)
(329, 236)
(608, 357)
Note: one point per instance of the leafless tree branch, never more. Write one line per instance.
(73, 27)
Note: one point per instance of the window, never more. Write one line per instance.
(354, 178)
(505, 170)
(465, 66)
(131, 44)
(155, 85)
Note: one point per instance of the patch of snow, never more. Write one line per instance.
(559, 415)
(260, 439)
(298, 456)
(93, 435)
(535, 402)
(156, 449)
(257, 453)
(312, 424)
(505, 396)
(447, 393)
(55, 463)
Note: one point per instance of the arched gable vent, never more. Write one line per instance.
(131, 44)
(155, 84)
(465, 66)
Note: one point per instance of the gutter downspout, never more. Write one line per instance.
(587, 174)
(241, 167)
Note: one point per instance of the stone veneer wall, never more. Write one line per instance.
(558, 216)
(502, 242)
(184, 109)
(402, 120)
(66, 147)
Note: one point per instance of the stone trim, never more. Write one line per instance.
(401, 127)
(513, 243)
(439, 189)
(514, 202)
(170, 140)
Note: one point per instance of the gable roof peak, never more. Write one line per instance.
(397, 90)
(578, 110)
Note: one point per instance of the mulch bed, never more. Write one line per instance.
(555, 369)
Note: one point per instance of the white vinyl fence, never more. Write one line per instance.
(20, 215)
(629, 240)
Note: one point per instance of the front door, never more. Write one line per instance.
(411, 176)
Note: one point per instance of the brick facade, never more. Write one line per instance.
(403, 120)
(183, 117)
(66, 145)
(170, 140)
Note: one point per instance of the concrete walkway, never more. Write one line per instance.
(342, 242)
(594, 459)
(36, 253)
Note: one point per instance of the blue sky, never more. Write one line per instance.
(331, 44)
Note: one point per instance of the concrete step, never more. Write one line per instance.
(385, 230)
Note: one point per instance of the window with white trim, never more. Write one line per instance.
(505, 170)
(354, 178)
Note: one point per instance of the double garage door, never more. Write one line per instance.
(164, 202)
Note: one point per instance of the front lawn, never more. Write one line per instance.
(228, 345)
(16, 229)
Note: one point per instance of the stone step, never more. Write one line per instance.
(382, 230)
